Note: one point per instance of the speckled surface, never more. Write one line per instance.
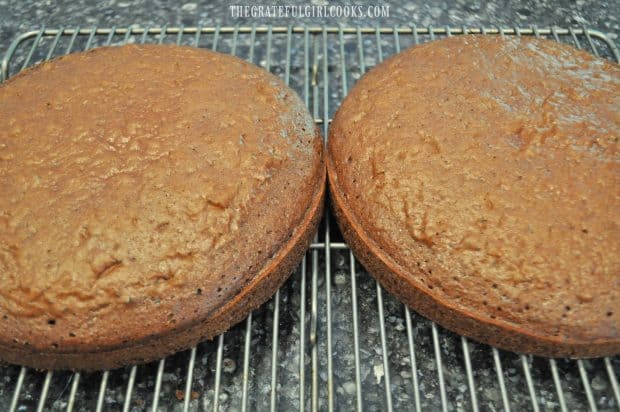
(17, 17)
(602, 15)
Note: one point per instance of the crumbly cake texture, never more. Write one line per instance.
(150, 198)
(477, 177)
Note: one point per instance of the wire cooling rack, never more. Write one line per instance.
(330, 339)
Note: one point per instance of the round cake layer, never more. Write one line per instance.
(478, 178)
(150, 197)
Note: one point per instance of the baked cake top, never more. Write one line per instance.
(140, 188)
(486, 168)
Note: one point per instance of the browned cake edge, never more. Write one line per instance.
(396, 280)
(261, 288)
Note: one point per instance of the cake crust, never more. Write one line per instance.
(150, 198)
(477, 179)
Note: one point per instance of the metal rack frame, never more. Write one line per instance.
(316, 385)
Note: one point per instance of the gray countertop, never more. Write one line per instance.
(19, 16)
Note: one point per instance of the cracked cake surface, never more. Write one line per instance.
(143, 191)
(478, 178)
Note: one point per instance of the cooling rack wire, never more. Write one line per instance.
(331, 338)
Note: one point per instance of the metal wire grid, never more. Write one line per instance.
(330, 338)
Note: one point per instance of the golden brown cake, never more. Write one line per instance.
(478, 179)
(150, 198)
